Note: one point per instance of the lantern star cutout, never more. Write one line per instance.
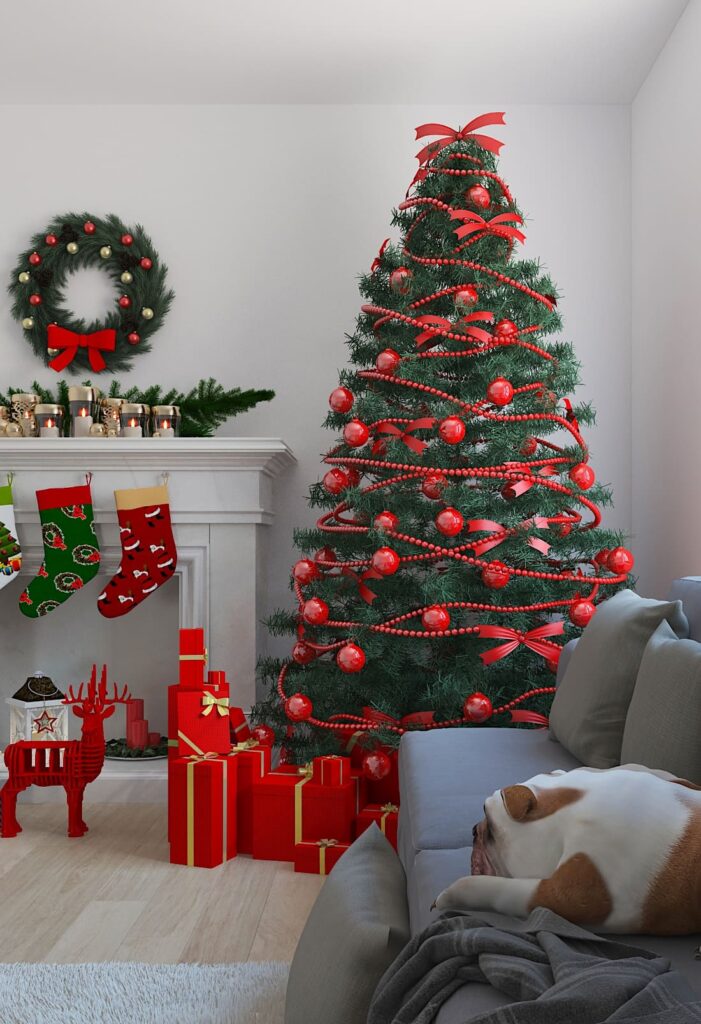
(45, 722)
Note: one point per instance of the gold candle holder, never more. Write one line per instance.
(23, 406)
(110, 409)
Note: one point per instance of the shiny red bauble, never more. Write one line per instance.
(601, 557)
(350, 658)
(325, 554)
(127, 239)
(451, 430)
(298, 707)
(51, 240)
(315, 611)
(335, 481)
(304, 571)
(385, 561)
(133, 338)
(263, 734)
(124, 301)
(400, 280)
(479, 196)
(387, 361)
(620, 561)
(449, 522)
(477, 708)
(303, 653)
(385, 521)
(500, 391)
(376, 765)
(356, 433)
(433, 485)
(465, 298)
(341, 400)
(496, 575)
(582, 475)
(564, 529)
(354, 476)
(506, 329)
(529, 446)
(89, 227)
(582, 612)
(35, 300)
(145, 263)
(435, 618)
(35, 259)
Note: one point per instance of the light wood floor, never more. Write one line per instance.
(113, 895)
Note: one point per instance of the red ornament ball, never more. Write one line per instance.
(315, 611)
(354, 476)
(89, 227)
(564, 529)
(376, 765)
(581, 612)
(385, 521)
(133, 338)
(506, 329)
(350, 658)
(451, 430)
(582, 475)
(449, 522)
(51, 240)
(304, 571)
(400, 280)
(477, 708)
(356, 433)
(341, 400)
(602, 557)
(145, 263)
(298, 707)
(127, 239)
(496, 575)
(385, 561)
(465, 298)
(433, 485)
(263, 734)
(435, 619)
(479, 196)
(529, 446)
(124, 302)
(335, 481)
(387, 361)
(303, 653)
(325, 554)
(500, 391)
(35, 259)
(35, 300)
(620, 561)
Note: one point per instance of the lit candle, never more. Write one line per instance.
(82, 423)
(49, 429)
(132, 429)
(165, 429)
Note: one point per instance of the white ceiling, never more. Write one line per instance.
(330, 51)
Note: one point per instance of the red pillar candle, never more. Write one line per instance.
(154, 739)
(135, 710)
(137, 734)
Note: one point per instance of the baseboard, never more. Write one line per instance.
(125, 782)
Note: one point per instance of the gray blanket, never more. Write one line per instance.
(556, 972)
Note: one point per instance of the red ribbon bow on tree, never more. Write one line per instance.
(569, 414)
(429, 338)
(450, 135)
(499, 225)
(482, 546)
(535, 640)
(370, 574)
(377, 262)
(532, 717)
(415, 718)
(70, 341)
(413, 443)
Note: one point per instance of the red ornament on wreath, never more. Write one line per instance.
(582, 475)
(506, 329)
(582, 612)
(35, 300)
(385, 521)
(304, 571)
(479, 196)
(263, 734)
(465, 298)
(496, 575)
(449, 522)
(620, 561)
(376, 765)
(477, 708)
(433, 485)
(356, 433)
(350, 658)
(315, 611)
(145, 263)
(335, 481)
(387, 361)
(500, 391)
(386, 561)
(51, 239)
(89, 227)
(298, 707)
(133, 338)
(35, 259)
(451, 430)
(400, 280)
(325, 554)
(127, 239)
(341, 400)
(435, 619)
(124, 302)
(303, 653)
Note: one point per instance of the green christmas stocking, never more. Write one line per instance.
(10, 553)
(71, 551)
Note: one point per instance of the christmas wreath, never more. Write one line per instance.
(64, 341)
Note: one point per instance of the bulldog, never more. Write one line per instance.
(617, 850)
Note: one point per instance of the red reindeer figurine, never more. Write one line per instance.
(68, 763)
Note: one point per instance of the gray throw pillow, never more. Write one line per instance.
(589, 711)
(357, 927)
(662, 727)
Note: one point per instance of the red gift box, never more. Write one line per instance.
(198, 720)
(202, 810)
(254, 762)
(240, 731)
(192, 657)
(317, 858)
(386, 816)
(331, 771)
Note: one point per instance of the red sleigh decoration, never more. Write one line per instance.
(68, 763)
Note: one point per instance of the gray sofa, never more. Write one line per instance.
(444, 778)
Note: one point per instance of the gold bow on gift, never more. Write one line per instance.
(209, 702)
(306, 770)
(323, 845)
(211, 755)
(244, 744)
(389, 808)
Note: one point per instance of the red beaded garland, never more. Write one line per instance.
(298, 707)
(356, 433)
(302, 653)
(304, 571)
(385, 521)
(387, 361)
(400, 280)
(89, 227)
(582, 612)
(35, 259)
(435, 618)
(477, 708)
(479, 196)
(325, 554)
(315, 611)
(350, 658)
(620, 561)
(582, 475)
(451, 430)
(376, 765)
(496, 575)
(51, 239)
(127, 239)
(385, 561)
(335, 481)
(263, 734)
(133, 338)
(506, 329)
(124, 301)
(35, 300)
(529, 446)
(145, 263)
(500, 391)
(433, 485)
(465, 298)
(449, 522)
(341, 400)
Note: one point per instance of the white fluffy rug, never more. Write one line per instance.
(128, 993)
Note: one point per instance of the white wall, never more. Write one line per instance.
(266, 215)
(666, 318)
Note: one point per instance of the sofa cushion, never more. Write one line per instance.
(589, 711)
(687, 589)
(662, 726)
(445, 776)
(357, 927)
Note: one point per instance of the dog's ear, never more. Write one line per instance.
(519, 801)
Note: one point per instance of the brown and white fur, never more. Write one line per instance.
(617, 850)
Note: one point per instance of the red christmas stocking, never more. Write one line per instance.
(149, 555)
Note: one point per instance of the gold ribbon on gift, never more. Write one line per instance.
(324, 759)
(323, 845)
(193, 760)
(386, 810)
(244, 745)
(193, 746)
(193, 657)
(240, 726)
(172, 743)
(210, 702)
(253, 745)
(306, 772)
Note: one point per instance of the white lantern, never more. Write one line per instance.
(37, 711)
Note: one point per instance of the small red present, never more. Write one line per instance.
(254, 762)
(198, 720)
(317, 858)
(238, 724)
(385, 815)
(192, 657)
(333, 770)
(202, 810)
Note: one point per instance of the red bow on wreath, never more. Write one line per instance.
(70, 341)
(413, 443)
(535, 640)
(449, 135)
(499, 225)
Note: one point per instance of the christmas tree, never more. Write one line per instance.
(459, 545)
(8, 546)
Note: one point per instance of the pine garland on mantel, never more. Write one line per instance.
(202, 409)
